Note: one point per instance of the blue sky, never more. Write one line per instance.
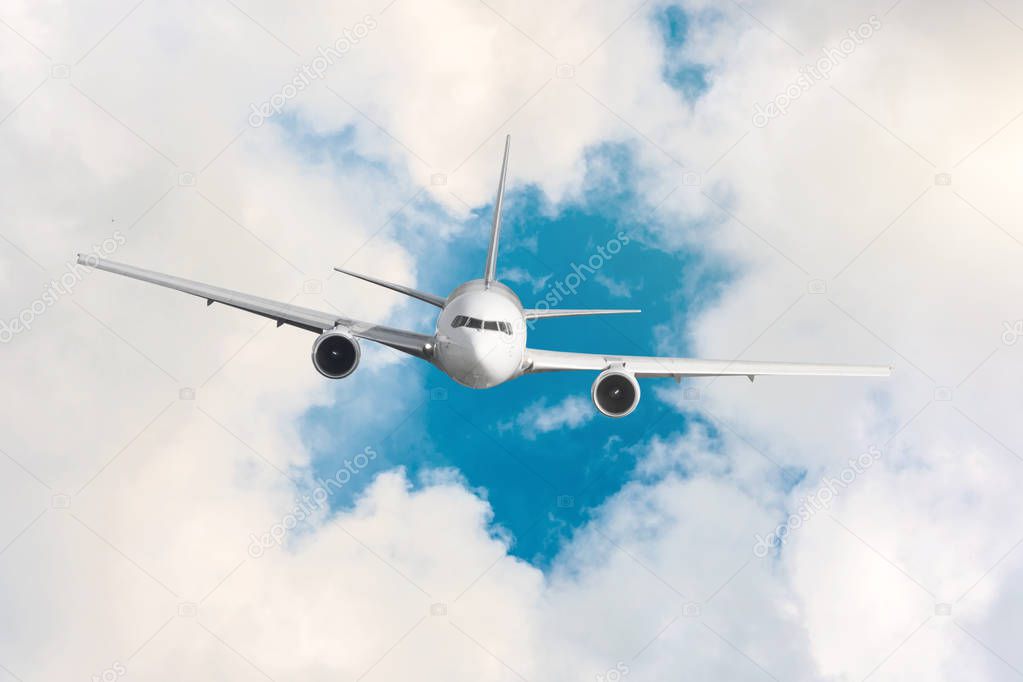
(689, 78)
(126, 501)
(541, 485)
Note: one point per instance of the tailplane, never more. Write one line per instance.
(537, 314)
(408, 291)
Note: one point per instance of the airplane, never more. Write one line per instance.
(480, 337)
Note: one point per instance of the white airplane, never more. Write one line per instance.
(480, 339)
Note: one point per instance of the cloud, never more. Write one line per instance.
(520, 276)
(126, 504)
(614, 287)
(539, 418)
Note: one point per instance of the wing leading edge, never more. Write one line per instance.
(282, 313)
(554, 361)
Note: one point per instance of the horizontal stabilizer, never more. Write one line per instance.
(536, 314)
(408, 291)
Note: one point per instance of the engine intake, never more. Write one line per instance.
(615, 393)
(335, 354)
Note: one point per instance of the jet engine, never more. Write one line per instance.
(335, 354)
(615, 393)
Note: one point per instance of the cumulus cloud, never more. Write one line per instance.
(539, 418)
(146, 438)
(617, 288)
(520, 276)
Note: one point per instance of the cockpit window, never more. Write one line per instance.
(473, 323)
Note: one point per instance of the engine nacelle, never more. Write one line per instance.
(615, 393)
(336, 354)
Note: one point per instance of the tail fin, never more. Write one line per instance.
(408, 291)
(490, 274)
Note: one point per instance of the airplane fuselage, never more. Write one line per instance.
(480, 340)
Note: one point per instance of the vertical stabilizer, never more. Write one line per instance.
(490, 274)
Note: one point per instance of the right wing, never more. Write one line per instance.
(640, 366)
(282, 313)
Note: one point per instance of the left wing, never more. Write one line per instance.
(553, 361)
(282, 313)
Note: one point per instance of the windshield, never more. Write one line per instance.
(483, 325)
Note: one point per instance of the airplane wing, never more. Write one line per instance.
(554, 361)
(282, 313)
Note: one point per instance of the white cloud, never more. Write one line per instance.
(614, 287)
(168, 516)
(520, 276)
(539, 418)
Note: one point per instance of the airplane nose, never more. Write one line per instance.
(477, 358)
(490, 348)
(482, 343)
(488, 353)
